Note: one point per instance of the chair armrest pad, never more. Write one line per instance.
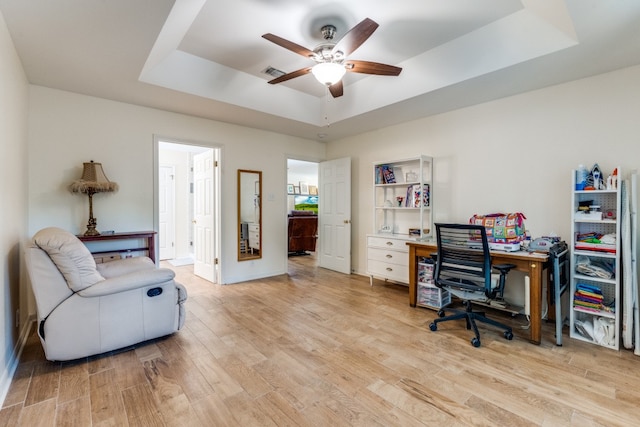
(124, 266)
(127, 282)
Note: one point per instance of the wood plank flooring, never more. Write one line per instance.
(317, 348)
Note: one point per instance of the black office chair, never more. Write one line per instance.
(463, 267)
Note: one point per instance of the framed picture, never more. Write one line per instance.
(289, 188)
(296, 189)
(313, 190)
(304, 188)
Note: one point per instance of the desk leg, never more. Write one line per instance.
(413, 276)
(535, 301)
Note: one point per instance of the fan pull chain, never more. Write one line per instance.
(326, 107)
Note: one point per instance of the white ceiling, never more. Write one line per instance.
(206, 58)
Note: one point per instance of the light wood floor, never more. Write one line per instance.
(322, 349)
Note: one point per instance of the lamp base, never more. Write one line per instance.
(91, 228)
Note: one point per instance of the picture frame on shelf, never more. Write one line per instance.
(290, 189)
(313, 190)
(296, 189)
(304, 188)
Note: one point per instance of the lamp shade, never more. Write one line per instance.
(328, 73)
(93, 180)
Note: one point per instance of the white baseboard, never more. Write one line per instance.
(12, 362)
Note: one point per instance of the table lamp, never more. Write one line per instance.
(93, 181)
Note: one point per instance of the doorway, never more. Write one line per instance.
(187, 206)
(302, 195)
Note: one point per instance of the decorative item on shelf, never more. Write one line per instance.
(304, 188)
(385, 229)
(411, 176)
(93, 181)
(289, 188)
(313, 190)
(399, 199)
(387, 204)
(296, 189)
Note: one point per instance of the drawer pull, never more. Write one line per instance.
(389, 243)
(389, 256)
(389, 269)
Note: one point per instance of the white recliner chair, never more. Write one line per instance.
(86, 308)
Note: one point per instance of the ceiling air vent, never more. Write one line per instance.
(274, 72)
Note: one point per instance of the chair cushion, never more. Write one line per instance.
(70, 255)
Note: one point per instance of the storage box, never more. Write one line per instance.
(431, 296)
(425, 272)
(416, 231)
(106, 257)
(589, 215)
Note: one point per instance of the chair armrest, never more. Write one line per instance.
(127, 282)
(124, 266)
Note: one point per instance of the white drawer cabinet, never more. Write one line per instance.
(254, 236)
(388, 258)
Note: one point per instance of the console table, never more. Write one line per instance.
(531, 263)
(149, 236)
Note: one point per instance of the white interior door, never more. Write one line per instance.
(334, 215)
(166, 212)
(204, 222)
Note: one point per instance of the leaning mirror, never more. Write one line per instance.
(249, 214)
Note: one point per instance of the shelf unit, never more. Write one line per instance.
(600, 324)
(387, 252)
(126, 244)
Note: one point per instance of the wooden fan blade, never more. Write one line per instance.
(355, 37)
(368, 67)
(291, 75)
(293, 47)
(336, 89)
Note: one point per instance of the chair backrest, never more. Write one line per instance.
(464, 262)
(47, 282)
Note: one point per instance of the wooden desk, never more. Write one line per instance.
(530, 263)
(150, 236)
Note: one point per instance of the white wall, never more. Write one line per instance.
(511, 155)
(67, 129)
(13, 214)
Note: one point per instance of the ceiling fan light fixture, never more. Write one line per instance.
(328, 73)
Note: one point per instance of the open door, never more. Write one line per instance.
(334, 215)
(166, 212)
(204, 235)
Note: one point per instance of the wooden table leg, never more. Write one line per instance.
(535, 301)
(413, 276)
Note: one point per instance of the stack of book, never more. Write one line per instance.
(417, 197)
(385, 175)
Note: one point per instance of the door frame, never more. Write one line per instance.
(217, 243)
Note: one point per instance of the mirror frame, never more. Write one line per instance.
(249, 256)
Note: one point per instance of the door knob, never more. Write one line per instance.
(346, 221)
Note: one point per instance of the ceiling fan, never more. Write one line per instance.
(331, 57)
